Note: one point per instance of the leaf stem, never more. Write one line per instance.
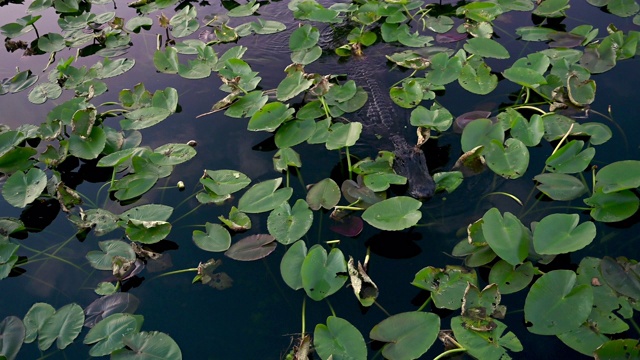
(425, 304)
(449, 352)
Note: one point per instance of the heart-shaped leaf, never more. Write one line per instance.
(408, 335)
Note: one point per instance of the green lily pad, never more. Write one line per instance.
(581, 92)
(237, 221)
(343, 135)
(444, 70)
(103, 260)
(252, 247)
(338, 339)
(21, 189)
(437, 117)
(285, 158)
(215, 239)
(148, 345)
(611, 207)
(269, 117)
(292, 85)
(393, 214)
(288, 224)
(12, 332)
(43, 92)
(172, 154)
(560, 234)
(184, 22)
(322, 274)
(618, 350)
(294, 132)
(408, 96)
(134, 185)
(511, 279)
(247, 105)
(324, 194)
(147, 232)
(224, 182)
(560, 186)
(570, 158)
(291, 264)
(509, 160)
(490, 345)
(408, 335)
(304, 37)
(244, 9)
(506, 235)
(264, 196)
(552, 8)
(107, 335)
(621, 276)
(480, 132)
(447, 286)
(64, 326)
(620, 175)
(487, 48)
(556, 305)
(478, 80)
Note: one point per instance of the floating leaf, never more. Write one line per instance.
(478, 80)
(509, 160)
(252, 247)
(447, 286)
(570, 158)
(64, 325)
(488, 48)
(264, 196)
(556, 305)
(323, 194)
(560, 186)
(269, 117)
(323, 275)
(338, 340)
(511, 279)
(506, 235)
(21, 189)
(408, 335)
(35, 319)
(223, 182)
(610, 207)
(148, 345)
(110, 304)
(490, 345)
(397, 213)
(107, 335)
(12, 333)
(620, 175)
(288, 224)
(103, 260)
(560, 234)
(291, 264)
(216, 238)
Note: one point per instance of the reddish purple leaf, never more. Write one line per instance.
(450, 37)
(463, 120)
(349, 226)
(252, 247)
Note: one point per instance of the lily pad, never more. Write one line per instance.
(21, 189)
(252, 247)
(506, 235)
(107, 335)
(338, 339)
(408, 335)
(64, 326)
(291, 264)
(216, 238)
(397, 213)
(322, 274)
(560, 186)
(556, 305)
(324, 194)
(288, 224)
(12, 333)
(560, 234)
(264, 196)
(148, 345)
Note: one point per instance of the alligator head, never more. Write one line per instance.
(411, 163)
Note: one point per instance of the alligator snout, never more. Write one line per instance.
(411, 163)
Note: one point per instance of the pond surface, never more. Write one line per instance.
(259, 317)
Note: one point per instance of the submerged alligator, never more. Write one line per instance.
(380, 119)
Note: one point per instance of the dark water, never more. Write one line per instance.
(258, 317)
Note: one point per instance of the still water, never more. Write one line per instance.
(258, 317)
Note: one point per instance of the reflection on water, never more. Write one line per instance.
(258, 316)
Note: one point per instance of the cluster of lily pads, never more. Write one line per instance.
(585, 309)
